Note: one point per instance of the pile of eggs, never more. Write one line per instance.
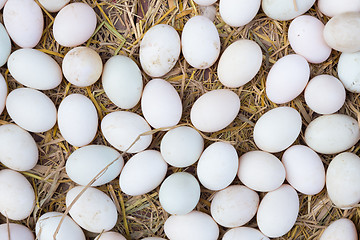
(218, 164)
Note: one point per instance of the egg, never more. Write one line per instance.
(181, 146)
(87, 162)
(285, 10)
(192, 226)
(306, 38)
(244, 233)
(217, 166)
(200, 42)
(287, 78)
(24, 22)
(82, 66)
(340, 229)
(53, 5)
(343, 180)
(215, 110)
(277, 129)
(205, 2)
(2, 3)
(179, 193)
(239, 63)
(237, 13)
(342, 32)
(110, 236)
(278, 211)
(31, 109)
(123, 129)
(304, 169)
(261, 171)
(159, 50)
(161, 104)
(234, 206)
(122, 81)
(15, 231)
(3, 93)
(47, 224)
(34, 69)
(333, 7)
(349, 71)
(74, 24)
(330, 134)
(17, 195)
(5, 44)
(142, 173)
(93, 210)
(208, 11)
(77, 119)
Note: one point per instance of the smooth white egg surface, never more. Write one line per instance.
(349, 71)
(244, 233)
(332, 8)
(16, 232)
(3, 93)
(340, 229)
(238, 13)
(110, 236)
(5, 44)
(53, 5)
(284, 10)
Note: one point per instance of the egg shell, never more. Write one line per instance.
(261, 171)
(17, 195)
(3, 93)
(16, 231)
(161, 104)
(31, 109)
(342, 32)
(343, 180)
(287, 78)
(34, 69)
(332, 93)
(277, 129)
(239, 63)
(5, 44)
(121, 129)
(179, 193)
(244, 233)
(53, 5)
(330, 134)
(334, 7)
(110, 236)
(94, 210)
(208, 11)
(200, 42)
(205, 2)
(237, 13)
(82, 66)
(74, 24)
(24, 21)
(2, 3)
(285, 10)
(159, 50)
(47, 224)
(304, 169)
(234, 206)
(181, 146)
(86, 162)
(306, 39)
(215, 110)
(122, 81)
(340, 229)
(143, 173)
(192, 226)
(278, 211)
(77, 119)
(217, 166)
(349, 71)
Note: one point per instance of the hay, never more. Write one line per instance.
(121, 25)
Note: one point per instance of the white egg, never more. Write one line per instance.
(122, 81)
(181, 146)
(87, 162)
(159, 50)
(123, 129)
(110, 236)
(340, 229)
(200, 42)
(31, 109)
(215, 110)
(330, 134)
(237, 13)
(239, 63)
(278, 211)
(82, 66)
(192, 226)
(179, 193)
(94, 210)
(234, 206)
(47, 224)
(284, 10)
(34, 69)
(277, 129)
(217, 166)
(24, 22)
(334, 7)
(205, 2)
(287, 78)
(208, 11)
(3, 93)
(5, 44)
(17, 195)
(244, 233)
(349, 71)
(161, 104)
(2, 3)
(142, 173)
(53, 5)
(16, 232)
(342, 32)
